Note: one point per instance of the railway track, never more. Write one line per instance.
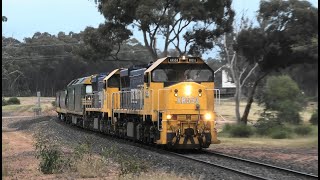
(263, 164)
(255, 170)
(220, 166)
(291, 174)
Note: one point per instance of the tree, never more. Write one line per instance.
(171, 20)
(4, 19)
(284, 28)
(283, 95)
(240, 69)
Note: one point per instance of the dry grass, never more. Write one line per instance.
(158, 175)
(91, 167)
(27, 105)
(268, 142)
(227, 110)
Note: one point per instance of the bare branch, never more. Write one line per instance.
(244, 70)
(249, 74)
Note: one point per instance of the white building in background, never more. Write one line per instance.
(227, 81)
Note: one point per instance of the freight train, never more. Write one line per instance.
(169, 102)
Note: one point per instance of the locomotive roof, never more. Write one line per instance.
(82, 80)
(155, 64)
(111, 73)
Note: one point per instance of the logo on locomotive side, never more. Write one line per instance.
(187, 100)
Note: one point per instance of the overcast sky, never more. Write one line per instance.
(52, 16)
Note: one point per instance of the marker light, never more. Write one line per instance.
(200, 92)
(176, 92)
(207, 116)
(187, 90)
(169, 116)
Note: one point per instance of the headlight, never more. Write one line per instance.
(169, 116)
(187, 90)
(207, 116)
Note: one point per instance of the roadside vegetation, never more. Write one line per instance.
(85, 163)
(280, 118)
(10, 101)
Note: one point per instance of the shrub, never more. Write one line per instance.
(282, 94)
(303, 130)
(266, 123)
(4, 102)
(53, 103)
(13, 100)
(241, 130)
(49, 155)
(279, 134)
(314, 118)
(289, 115)
(226, 128)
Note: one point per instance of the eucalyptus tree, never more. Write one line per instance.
(191, 26)
(287, 35)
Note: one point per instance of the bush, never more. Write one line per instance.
(53, 103)
(266, 123)
(241, 131)
(279, 134)
(226, 128)
(303, 130)
(314, 118)
(4, 102)
(290, 115)
(13, 100)
(49, 155)
(282, 94)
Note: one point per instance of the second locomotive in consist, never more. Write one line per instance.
(169, 102)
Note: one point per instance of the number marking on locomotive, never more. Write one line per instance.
(187, 100)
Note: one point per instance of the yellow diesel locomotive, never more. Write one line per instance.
(169, 102)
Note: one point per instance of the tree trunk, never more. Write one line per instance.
(245, 115)
(237, 109)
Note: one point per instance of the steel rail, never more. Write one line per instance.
(262, 164)
(220, 166)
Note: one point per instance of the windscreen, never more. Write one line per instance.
(182, 73)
